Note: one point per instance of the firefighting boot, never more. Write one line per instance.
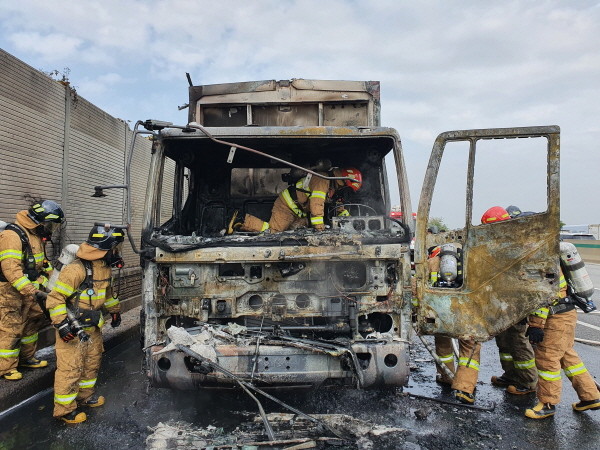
(233, 223)
(518, 390)
(94, 401)
(500, 381)
(33, 363)
(464, 397)
(540, 411)
(584, 405)
(13, 375)
(74, 417)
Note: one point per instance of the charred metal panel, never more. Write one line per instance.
(510, 267)
(381, 365)
(285, 116)
(282, 253)
(355, 114)
(286, 103)
(268, 290)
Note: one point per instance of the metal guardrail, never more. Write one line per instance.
(589, 250)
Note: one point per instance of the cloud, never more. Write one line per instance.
(49, 48)
(443, 66)
(101, 84)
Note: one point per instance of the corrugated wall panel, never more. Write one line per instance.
(32, 134)
(92, 163)
(98, 124)
(139, 179)
(33, 117)
(30, 87)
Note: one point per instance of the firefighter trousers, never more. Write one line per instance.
(555, 352)
(77, 366)
(517, 357)
(11, 326)
(444, 351)
(20, 320)
(33, 321)
(282, 219)
(467, 373)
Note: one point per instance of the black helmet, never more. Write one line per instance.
(46, 211)
(513, 211)
(48, 216)
(106, 238)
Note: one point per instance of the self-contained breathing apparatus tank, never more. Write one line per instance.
(67, 256)
(450, 266)
(2, 226)
(581, 287)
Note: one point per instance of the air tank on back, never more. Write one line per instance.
(66, 257)
(448, 264)
(575, 270)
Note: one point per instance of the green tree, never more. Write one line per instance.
(437, 222)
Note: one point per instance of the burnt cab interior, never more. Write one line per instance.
(210, 182)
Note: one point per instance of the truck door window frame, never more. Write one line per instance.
(482, 307)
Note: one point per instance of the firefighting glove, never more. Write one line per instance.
(116, 319)
(90, 318)
(535, 335)
(65, 331)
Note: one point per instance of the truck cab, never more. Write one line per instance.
(299, 308)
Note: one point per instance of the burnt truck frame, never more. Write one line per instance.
(314, 308)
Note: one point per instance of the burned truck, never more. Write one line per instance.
(302, 307)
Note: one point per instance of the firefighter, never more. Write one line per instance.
(83, 287)
(24, 275)
(552, 332)
(302, 202)
(467, 373)
(443, 345)
(445, 351)
(465, 378)
(516, 354)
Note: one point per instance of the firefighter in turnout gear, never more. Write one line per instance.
(301, 203)
(23, 277)
(552, 333)
(465, 378)
(443, 345)
(516, 354)
(83, 287)
(467, 373)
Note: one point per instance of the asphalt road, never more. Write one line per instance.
(132, 407)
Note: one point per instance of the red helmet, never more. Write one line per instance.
(352, 173)
(495, 214)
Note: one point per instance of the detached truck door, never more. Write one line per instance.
(510, 267)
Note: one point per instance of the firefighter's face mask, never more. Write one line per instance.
(113, 257)
(47, 229)
(341, 194)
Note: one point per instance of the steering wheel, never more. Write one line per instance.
(333, 210)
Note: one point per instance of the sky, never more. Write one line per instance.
(443, 65)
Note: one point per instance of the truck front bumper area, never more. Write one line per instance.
(380, 364)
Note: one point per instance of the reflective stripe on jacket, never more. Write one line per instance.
(12, 252)
(310, 202)
(69, 282)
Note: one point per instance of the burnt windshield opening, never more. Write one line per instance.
(208, 181)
